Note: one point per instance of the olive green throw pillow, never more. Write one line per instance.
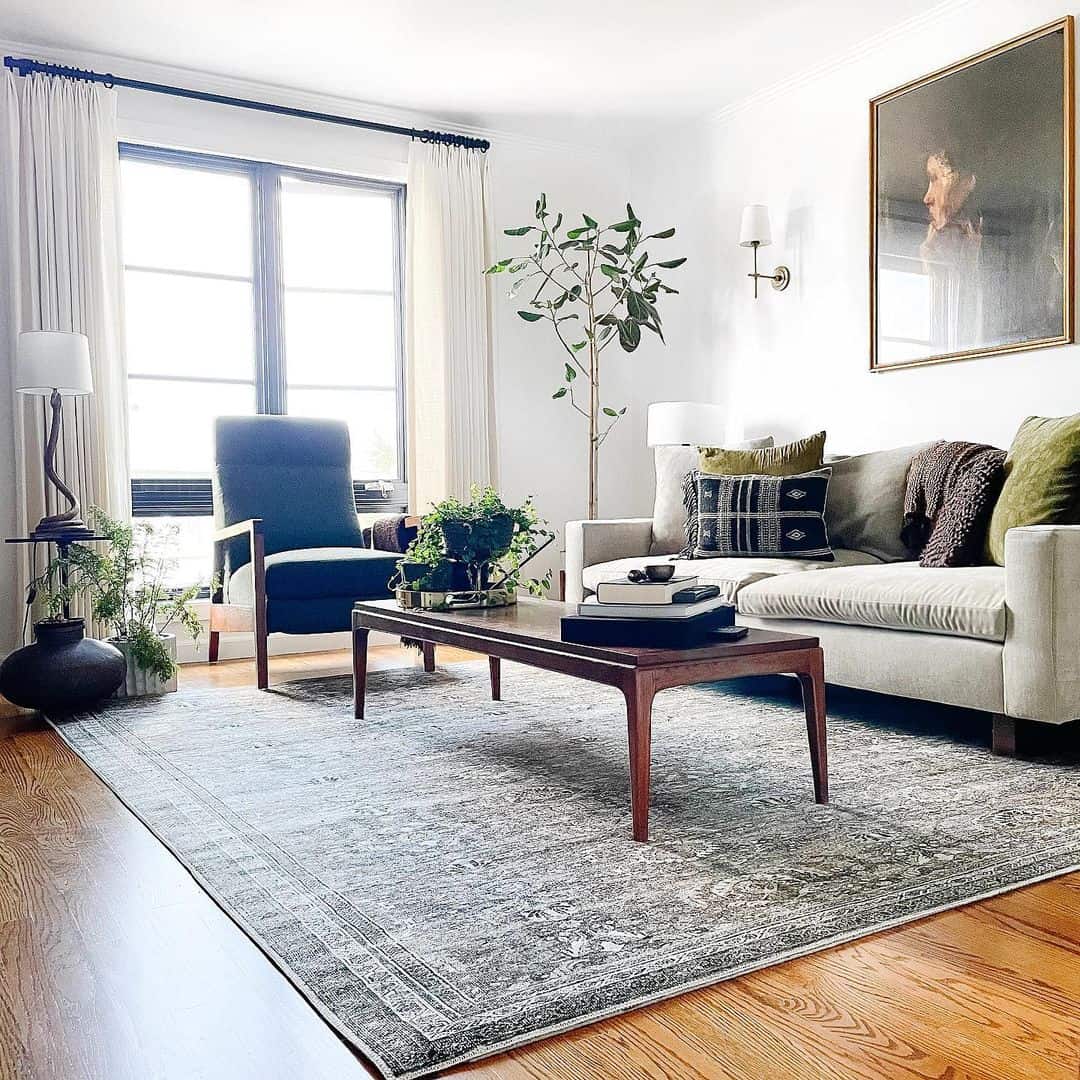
(1042, 480)
(802, 456)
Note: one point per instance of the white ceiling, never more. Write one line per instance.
(486, 62)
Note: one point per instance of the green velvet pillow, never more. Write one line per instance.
(804, 455)
(1042, 480)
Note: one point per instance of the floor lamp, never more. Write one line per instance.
(55, 364)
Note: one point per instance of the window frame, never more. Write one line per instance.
(191, 497)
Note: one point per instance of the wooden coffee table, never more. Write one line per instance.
(529, 633)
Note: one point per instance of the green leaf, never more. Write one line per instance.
(609, 412)
(629, 334)
(577, 346)
(591, 222)
(630, 212)
(558, 222)
(668, 289)
(611, 271)
(573, 234)
(530, 316)
(667, 234)
(571, 372)
(561, 392)
(520, 231)
(624, 226)
(575, 292)
(623, 409)
(670, 264)
(635, 305)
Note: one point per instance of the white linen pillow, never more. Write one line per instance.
(669, 513)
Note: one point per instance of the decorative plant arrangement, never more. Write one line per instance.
(471, 554)
(595, 284)
(128, 591)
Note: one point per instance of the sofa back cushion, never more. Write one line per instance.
(865, 510)
(673, 463)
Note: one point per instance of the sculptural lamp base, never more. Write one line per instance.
(76, 529)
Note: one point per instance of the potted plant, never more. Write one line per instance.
(595, 284)
(62, 669)
(472, 553)
(128, 587)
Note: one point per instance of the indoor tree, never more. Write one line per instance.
(596, 285)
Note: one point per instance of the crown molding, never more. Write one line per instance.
(231, 86)
(866, 47)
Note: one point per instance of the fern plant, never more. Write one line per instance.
(127, 584)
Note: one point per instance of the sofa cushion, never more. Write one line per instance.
(311, 573)
(749, 516)
(803, 455)
(865, 510)
(1042, 480)
(730, 575)
(669, 515)
(966, 601)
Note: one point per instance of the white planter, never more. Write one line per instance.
(139, 683)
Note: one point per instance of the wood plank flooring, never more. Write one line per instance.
(114, 964)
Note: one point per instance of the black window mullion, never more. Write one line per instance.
(270, 328)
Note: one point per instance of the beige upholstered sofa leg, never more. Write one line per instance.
(1003, 737)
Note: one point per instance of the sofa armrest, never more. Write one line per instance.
(592, 542)
(1042, 638)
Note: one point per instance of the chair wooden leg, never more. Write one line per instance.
(258, 560)
(1003, 735)
(212, 647)
(428, 649)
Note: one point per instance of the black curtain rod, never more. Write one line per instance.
(26, 67)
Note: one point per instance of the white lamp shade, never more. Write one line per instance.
(48, 360)
(755, 226)
(686, 423)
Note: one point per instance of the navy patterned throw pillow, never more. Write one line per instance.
(763, 516)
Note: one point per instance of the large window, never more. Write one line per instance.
(249, 288)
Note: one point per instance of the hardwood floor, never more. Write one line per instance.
(114, 964)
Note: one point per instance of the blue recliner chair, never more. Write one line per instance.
(289, 553)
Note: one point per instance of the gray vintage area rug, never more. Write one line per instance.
(451, 877)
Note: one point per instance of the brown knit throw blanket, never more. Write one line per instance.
(392, 534)
(951, 491)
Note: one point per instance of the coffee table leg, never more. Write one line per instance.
(428, 649)
(813, 692)
(639, 697)
(495, 670)
(359, 669)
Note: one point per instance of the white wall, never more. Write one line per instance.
(541, 442)
(797, 361)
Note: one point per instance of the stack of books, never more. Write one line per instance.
(679, 613)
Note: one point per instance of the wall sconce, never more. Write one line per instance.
(755, 233)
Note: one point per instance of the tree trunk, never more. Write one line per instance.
(594, 414)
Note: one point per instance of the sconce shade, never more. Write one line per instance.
(755, 226)
(686, 423)
(48, 360)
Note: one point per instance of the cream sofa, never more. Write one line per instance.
(1002, 639)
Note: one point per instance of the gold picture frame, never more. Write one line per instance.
(946, 291)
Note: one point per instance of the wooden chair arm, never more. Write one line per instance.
(250, 527)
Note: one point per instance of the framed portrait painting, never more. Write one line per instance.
(971, 203)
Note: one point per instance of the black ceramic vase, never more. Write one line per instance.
(62, 670)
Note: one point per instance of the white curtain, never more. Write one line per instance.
(448, 324)
(59, 239)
